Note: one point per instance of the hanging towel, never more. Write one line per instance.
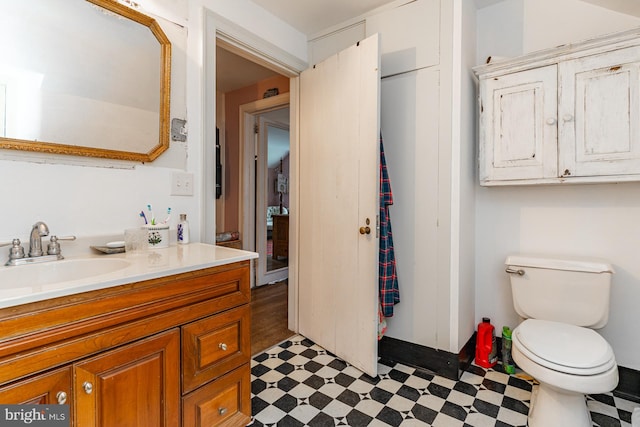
(388, 279)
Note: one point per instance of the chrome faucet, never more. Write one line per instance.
(38, 231)
(36, 254)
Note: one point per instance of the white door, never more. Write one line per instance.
(339, 191)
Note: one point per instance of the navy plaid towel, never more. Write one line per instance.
(388, 279)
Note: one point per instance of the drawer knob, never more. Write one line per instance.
(222, 411)
(62, 397)
(88, 387)
(222, 346)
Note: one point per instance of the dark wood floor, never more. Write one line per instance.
(269, 307)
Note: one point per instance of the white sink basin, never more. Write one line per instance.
(50, 273)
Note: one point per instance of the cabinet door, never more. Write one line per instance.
(599, 114)
(518, 126)
(44, 389)
(134, 385)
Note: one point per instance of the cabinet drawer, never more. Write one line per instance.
(215, 345)
(226, 401)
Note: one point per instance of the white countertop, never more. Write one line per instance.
(29, 283)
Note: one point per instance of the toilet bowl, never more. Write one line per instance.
(562, 301)
(554, 354)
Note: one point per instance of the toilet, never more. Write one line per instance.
(562, 301)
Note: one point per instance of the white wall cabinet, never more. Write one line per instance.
(569, 114)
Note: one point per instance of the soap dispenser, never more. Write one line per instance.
(183, 230)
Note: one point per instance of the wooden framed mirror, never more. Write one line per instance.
(84, 77)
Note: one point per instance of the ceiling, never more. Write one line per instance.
(312, 16)
(629, 7)
(234, 72)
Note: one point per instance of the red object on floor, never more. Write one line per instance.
(486, 349)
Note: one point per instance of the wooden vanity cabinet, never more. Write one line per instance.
(164, 352)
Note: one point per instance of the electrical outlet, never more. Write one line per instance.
(182, 184)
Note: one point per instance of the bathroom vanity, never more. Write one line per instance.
(162, 342)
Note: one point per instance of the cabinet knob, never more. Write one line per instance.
(222, 346)
(567, 117)
(88, 387)
(61, 396)
(222, 411)
(551, 121)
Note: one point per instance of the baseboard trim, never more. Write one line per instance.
(628, 384)
(440, 362)
(451, 365)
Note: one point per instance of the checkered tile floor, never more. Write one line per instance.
(300, 384)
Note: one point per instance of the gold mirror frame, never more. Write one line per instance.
(165, 91)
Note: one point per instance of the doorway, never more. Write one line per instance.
(349, 80)
(256, 175)
(272, 195)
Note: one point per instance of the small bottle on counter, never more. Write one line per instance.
(183, 230)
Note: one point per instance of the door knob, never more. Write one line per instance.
(367, 229)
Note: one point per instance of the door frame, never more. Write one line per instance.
(219, 30)
(248, 114)
(265, 275)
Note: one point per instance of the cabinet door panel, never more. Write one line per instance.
(49, 388)
(599, 114)
(518, 115)
(134, 385)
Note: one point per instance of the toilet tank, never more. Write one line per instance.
(569, 290)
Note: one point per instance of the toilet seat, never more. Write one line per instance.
(563, 347)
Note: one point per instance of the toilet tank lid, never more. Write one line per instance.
(588, 265)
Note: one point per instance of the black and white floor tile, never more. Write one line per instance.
(297, 383)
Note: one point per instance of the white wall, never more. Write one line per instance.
(464, 175)
(583, 220)
(86, 197)
(89, 197)
(496, 21)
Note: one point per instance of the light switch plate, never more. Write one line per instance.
(182, 184)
